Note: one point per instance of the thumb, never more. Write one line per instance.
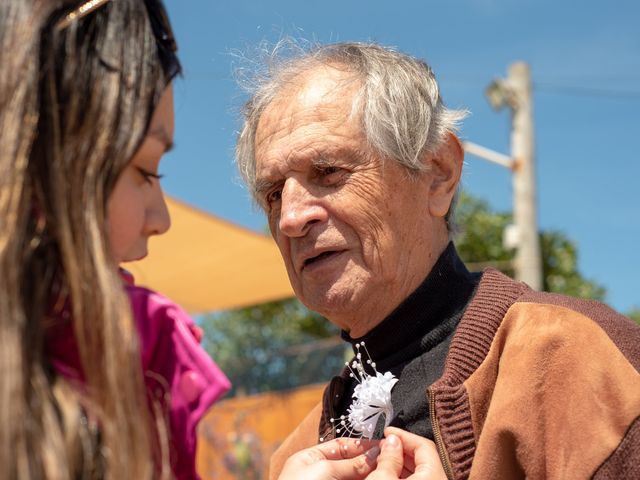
(391, 459)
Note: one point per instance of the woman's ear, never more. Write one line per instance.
(445, 169)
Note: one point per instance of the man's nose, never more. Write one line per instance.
(158, 218)
(299, 209)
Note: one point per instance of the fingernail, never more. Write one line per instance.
(392, 441)
(372, 454)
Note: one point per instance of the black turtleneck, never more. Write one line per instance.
(413, 341)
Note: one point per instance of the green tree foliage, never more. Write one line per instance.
(480, 244)
(279, 345)
(634, 315)
(274, 346)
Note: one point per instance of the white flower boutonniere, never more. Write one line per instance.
(371, 398)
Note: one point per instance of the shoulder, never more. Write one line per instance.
(149, 303)
(176, 369)
(501, 305)
(156, 316)
(171, 350)
(561, 375)
(551, 316)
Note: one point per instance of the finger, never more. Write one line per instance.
(356, 468)
(420, 455)
(408, 466)
(390, 460)
(329, 461)
(344, 448)
(410, 441)
(428, 464)
(409, 463)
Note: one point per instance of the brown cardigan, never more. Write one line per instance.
(535, 385)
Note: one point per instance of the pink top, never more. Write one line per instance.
(173, 362)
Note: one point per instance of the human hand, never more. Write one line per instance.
(405, 455)
(340, 459)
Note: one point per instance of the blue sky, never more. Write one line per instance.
(585, 61)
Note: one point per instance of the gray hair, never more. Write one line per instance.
(403, 116)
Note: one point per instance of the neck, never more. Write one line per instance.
(441, 297)
(369, 316)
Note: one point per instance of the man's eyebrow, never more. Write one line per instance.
(338, 156)
(262, 186)
(161, 134)
(323, 161)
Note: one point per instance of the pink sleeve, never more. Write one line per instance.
(175, 364)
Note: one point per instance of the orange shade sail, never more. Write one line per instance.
(206, 264)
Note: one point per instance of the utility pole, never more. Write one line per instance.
(528, 258)
(515, 92)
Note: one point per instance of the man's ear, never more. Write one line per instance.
(445, 170)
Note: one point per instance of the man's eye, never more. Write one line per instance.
(329, 170)
(274, 196)
(329, 175)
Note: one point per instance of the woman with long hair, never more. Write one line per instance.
(86, 113)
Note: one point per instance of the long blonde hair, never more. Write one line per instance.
(74, 106)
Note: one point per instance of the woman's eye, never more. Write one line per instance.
(149, 176)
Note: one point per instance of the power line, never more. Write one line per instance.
(587, 91)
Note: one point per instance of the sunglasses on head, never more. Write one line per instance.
(166, 42)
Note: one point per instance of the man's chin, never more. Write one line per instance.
(334, 302)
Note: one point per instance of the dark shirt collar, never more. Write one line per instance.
(443, 294)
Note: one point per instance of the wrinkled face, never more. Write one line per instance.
(136, 209)
(357, 234)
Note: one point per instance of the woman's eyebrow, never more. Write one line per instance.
(161, 134)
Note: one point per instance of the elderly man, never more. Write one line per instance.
(354, 158)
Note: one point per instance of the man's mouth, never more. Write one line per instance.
(319, 258)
